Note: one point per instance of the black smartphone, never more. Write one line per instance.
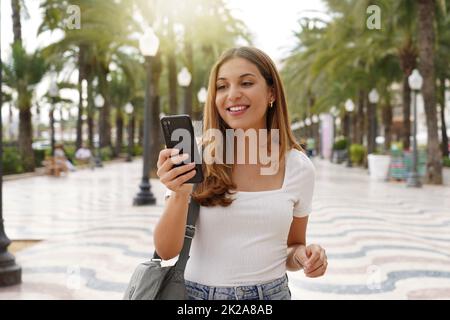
(179, 133)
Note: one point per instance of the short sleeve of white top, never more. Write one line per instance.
(246, 242)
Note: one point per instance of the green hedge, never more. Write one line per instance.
(12, 163)
(340, 144)
(39, 156)
(138, 150)
(106, 153)
(446, 162)
(357, 154)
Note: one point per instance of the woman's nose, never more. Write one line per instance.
(234, 93)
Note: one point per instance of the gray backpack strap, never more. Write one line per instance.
(193, 212)
(194, 209)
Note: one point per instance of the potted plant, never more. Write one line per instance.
(379, 164)
(340, 150)
(357, 154)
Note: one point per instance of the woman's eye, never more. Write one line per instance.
(247, 84)
(220, 87)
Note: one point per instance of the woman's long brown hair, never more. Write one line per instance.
(218, 185)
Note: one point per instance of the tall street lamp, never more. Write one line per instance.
(148, 46)
(334, 113)
(99, 102)
(184, 80)
(53, 93)
(349, 107)
(415, 81)
(10, 272)
(129, 111)
(374, 97)
(316, 134)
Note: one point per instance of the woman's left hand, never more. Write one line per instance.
(313, 259)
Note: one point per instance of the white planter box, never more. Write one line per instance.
(379, 166)
(446, 176)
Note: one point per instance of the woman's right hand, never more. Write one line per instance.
(175, 178)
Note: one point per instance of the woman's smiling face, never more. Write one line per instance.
(242, 95)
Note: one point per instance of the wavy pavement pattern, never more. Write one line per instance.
(379, 243)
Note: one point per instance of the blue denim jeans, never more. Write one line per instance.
(274, 290)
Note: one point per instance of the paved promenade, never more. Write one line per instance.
(383, 240)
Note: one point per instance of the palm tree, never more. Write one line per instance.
(443, 72)
(426, 14)
(22, 73)
(106, 29)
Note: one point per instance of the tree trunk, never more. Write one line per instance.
(17, 28)
(387, 123)
(427, 57)
(172, 66)
(408, 62)
(188, 93)
(90, 113)
(345, 125)
(105, 125)
(444, 144)
(371, 127)
(359, 118)
(10, 123)
(131, 131)
(141, 132)
(81, 77)
(51, 116)
(25, 123)
(155, 134)
(38, 116)
(406, 132)
(26, 139)
(119, 132)
(61, 123)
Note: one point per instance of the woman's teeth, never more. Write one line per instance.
(237, 109)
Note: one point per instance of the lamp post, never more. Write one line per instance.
(10, 272)
(129, 111)
(349, 107)
(184, 80)
(148, 46)
(374, 97)
(334, 113)
(415, 81)
(316, 134)
(99, 101)
(53, 93)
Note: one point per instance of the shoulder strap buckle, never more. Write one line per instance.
(190, 231)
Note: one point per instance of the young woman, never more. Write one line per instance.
(251, 227)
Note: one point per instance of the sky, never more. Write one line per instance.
(271, 22)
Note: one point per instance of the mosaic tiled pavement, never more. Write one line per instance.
(383, 240)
